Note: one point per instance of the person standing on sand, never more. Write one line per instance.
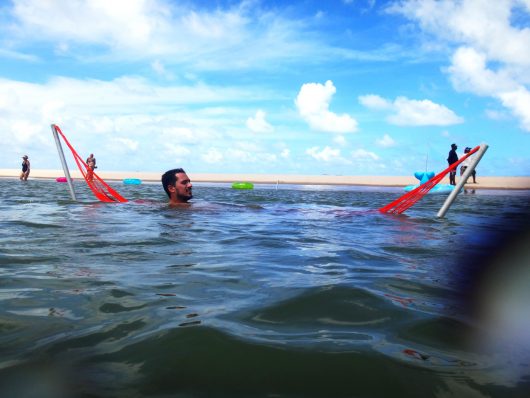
(452, 158)
(466, 163)
(178, 186)
(25, 168)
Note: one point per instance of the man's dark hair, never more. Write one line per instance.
(170, 178)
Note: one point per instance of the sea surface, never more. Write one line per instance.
(280, 291)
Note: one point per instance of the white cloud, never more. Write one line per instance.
(407, 112)
(4, 53)
(250, 156)
(285, 153)
(179, 33)
(327, 154)
(127, 143)
(23, 130)
(313, 105)
(127, 23)
(161, 70)
(283, 149)
(95, 114)
(340, 140)
(241, 153)
(496, 114)
(248, 146)
(373, 101)
(124, 94)
(422, 113)
(268, 158)
(213, 155)
(468, 72)
(177, 152)
(182, 134)
(518, 102)
(482, 24)
(491, 56)
(362, 154)
(386, 141)
(258, 124)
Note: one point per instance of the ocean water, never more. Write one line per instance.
(289, 291)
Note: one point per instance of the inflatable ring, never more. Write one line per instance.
(425, 176)
(243, 185)
(61, 179)
(440, 188)
(132, 181)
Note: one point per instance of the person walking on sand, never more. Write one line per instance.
(178, 186)
(452, 158)
(466, 163)
(25, 168)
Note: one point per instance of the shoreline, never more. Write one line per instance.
(483, 182)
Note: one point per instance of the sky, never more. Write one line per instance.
(336, 87)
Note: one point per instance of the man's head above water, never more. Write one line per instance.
(177, 185)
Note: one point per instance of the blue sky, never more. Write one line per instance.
(344, 87)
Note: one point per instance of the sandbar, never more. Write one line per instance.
(483, 182)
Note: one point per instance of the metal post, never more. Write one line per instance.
(452, 196)
(63, 162)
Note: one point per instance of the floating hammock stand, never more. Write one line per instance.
(402, 203)
(101, 190)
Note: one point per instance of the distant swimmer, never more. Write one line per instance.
(178, 186)
(452, 158)
(25, 168)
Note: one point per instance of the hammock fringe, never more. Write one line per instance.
(101, 190)
(406, 201)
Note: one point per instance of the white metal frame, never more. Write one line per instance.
(63, 162)
(452, 196)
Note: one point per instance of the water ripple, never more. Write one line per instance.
(293, 292)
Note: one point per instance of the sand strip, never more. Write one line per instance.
(483, 182)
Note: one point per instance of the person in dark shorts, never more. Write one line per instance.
(452, 158)
(466, 163)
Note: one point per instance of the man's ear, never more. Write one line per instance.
(171, 188)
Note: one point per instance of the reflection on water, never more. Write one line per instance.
(293, 291)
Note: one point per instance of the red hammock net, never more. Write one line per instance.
(402, 203)
(99, 188)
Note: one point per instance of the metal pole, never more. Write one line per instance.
(452, 196)
(63, 162)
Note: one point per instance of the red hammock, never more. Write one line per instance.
(402, 203)
(99, 188)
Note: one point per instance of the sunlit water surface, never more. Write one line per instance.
(288, 291)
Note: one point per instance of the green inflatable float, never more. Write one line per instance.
(243, 185)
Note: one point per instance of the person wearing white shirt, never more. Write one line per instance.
(466, 163)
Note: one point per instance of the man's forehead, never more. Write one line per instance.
(182, 176)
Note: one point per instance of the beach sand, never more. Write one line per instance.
(483, 182)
